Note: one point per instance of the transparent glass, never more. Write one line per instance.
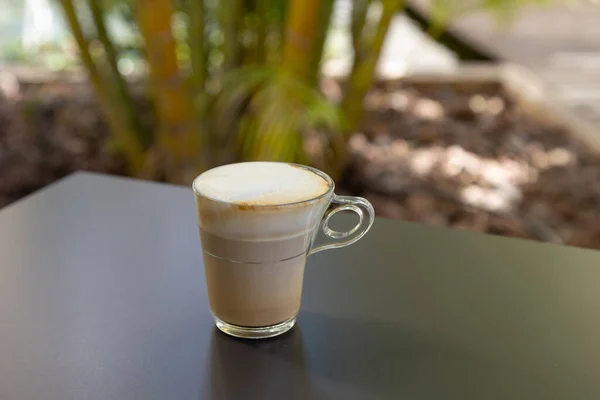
(254, 255)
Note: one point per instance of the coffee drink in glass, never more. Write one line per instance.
(258, 223)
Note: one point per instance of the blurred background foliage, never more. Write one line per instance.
(231, 80)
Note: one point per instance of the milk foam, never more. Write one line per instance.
(260, 183)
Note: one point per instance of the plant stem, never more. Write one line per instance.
(317, 52)
(359, 16)
(196, 42)
(179, 138)
(363, 68)
(262, 22)
(118, 82)
(301, 30)
(116, 120)
(232, 21)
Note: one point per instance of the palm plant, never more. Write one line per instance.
(238, 82)
(247, 92)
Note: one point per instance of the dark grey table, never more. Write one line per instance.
(102, 296)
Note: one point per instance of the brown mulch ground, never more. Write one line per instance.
(468, 157)
(47, 133)
(464, 157)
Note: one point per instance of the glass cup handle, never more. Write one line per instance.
(333, 239)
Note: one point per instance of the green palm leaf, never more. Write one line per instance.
(275, 111)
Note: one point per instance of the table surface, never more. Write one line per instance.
(102, 296)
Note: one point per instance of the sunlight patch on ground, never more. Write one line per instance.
(491, 184)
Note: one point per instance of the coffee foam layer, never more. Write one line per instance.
(256, 223)
(261, 183)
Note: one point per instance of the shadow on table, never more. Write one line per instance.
(325, 356)
(269, 368)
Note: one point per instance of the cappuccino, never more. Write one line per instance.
(257, 221)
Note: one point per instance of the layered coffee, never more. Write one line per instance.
(257, 222)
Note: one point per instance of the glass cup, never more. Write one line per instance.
(254, 255)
